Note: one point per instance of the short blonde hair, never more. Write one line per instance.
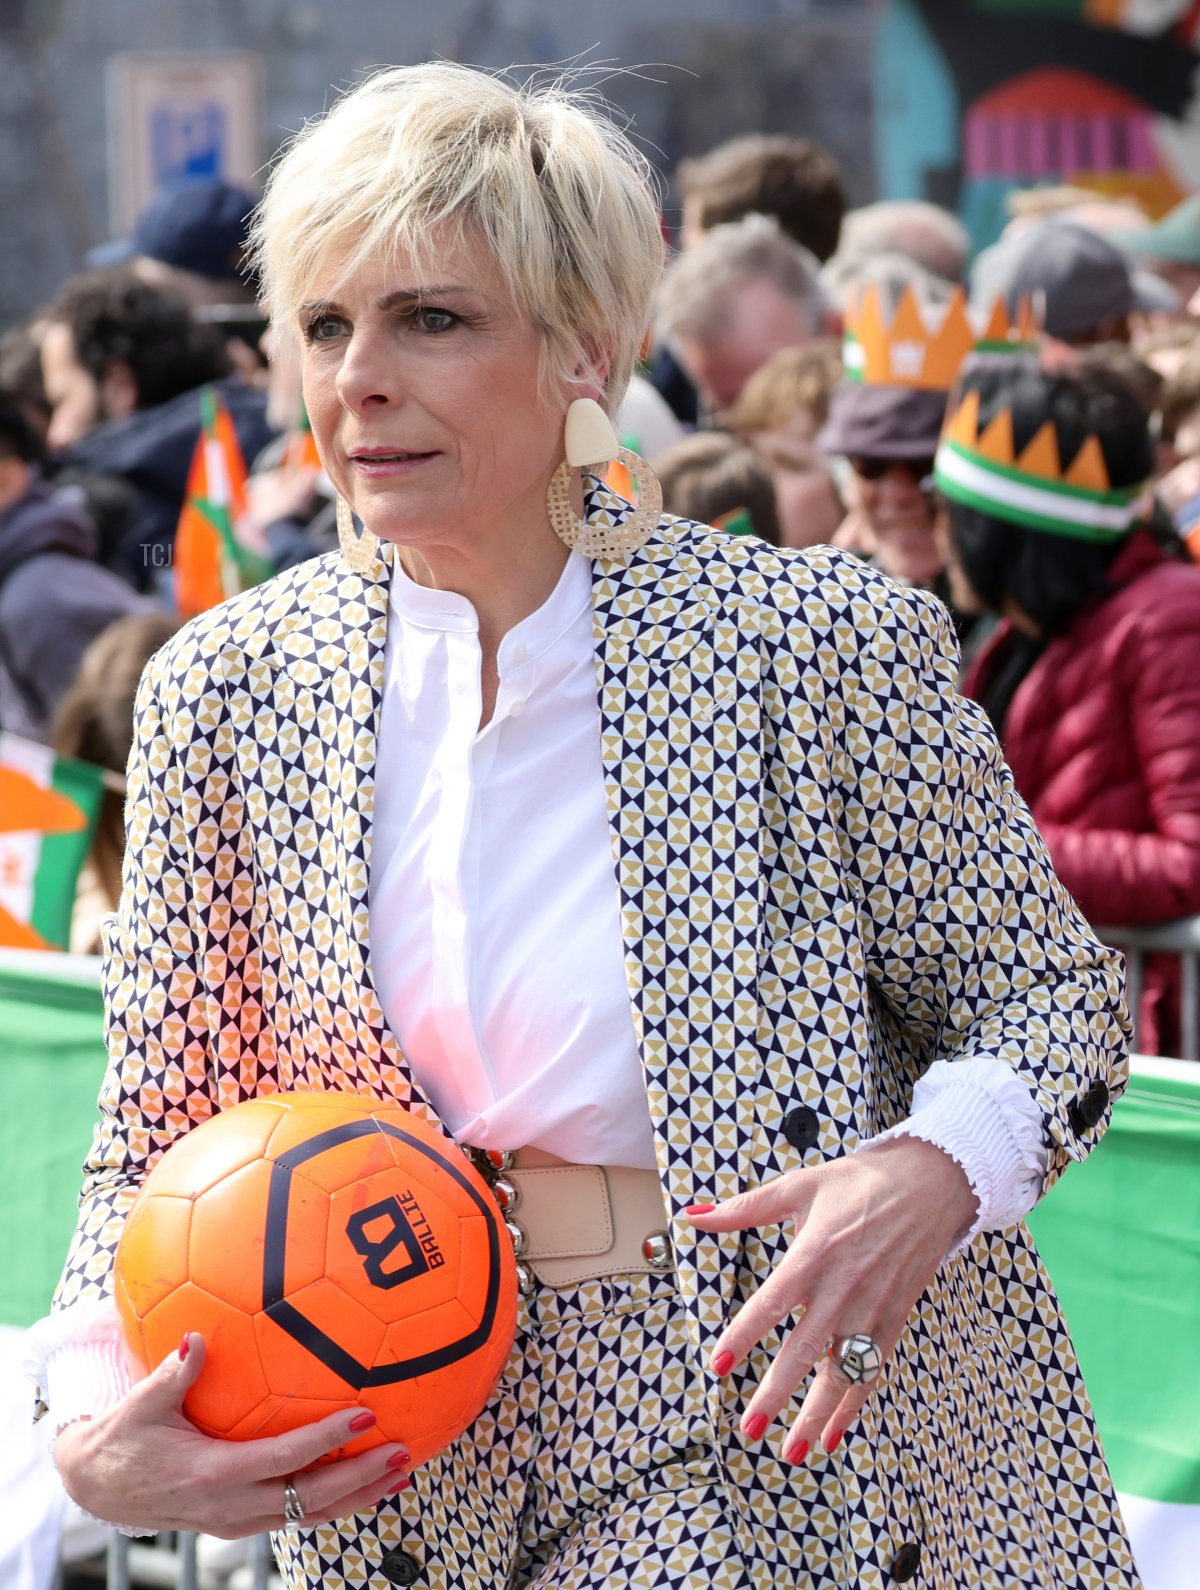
(426, 156)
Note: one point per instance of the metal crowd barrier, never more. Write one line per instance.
(1181, 939)
(172, 1562)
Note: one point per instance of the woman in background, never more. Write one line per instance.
(779, 413)
(712, 478)
(94, 722)
(1092, 677)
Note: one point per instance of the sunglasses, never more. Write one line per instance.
(868, 468)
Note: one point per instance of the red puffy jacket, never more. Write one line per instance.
(1103, 738)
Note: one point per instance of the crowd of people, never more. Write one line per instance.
(796, 385)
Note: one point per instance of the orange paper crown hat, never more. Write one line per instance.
(981, 469)
(1038, 459)
(922, 347)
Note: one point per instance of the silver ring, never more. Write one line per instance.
(858, 1358)
(293, 1508)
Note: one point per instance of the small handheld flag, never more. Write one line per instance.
(300, 449)
(210, 563)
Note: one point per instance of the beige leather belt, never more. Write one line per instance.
(572, 1223)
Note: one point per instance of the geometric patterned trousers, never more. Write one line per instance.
(597, 1435)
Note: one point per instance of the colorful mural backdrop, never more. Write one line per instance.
(977, 97)
(1133, 16)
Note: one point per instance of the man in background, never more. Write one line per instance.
(54, 599)
(1082, 287)
(123, 363)
(192, 237)
(933, 241)
(793, 180)
(726, 305)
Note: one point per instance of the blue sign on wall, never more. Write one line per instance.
(176, 118)
(187, 139)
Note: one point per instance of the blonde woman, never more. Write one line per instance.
(608, 841)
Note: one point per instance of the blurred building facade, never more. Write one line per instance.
(697, 71)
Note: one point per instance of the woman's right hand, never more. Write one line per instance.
(144, 1464)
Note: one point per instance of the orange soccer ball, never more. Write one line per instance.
(334, 1252)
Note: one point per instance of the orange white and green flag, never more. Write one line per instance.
(300, 450)
(210, 563)
(48, 810)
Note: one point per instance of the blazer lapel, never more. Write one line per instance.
(309, 727)
(680, 718)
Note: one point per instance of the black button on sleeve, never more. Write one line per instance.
(906, 1564)
(801, 1127)
(401, 1567)
(1087, 1111)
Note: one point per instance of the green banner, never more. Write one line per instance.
(1120, 1236)
(52, 1062)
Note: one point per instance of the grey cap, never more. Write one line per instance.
(1076, 278)
(883, 421)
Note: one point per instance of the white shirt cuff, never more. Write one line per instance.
(981, 1113)
(77, 1360)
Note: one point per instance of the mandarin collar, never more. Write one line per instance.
(531, 639)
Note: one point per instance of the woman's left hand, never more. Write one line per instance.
(871, 1230)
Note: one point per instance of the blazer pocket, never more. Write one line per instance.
(815, 947)
(124, 950)
(845, 903)
(814, 1036)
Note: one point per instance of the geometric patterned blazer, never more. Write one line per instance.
(827, 882)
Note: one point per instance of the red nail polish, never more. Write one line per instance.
(722, 1363)
(184, 1346)
(400, 1460)
(796, 1453)
(363, 1420)
(699, 1209)
(834, 1441)
(755, 1426)
(404, 1485)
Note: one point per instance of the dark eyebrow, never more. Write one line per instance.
(405, 296)
(401, 298)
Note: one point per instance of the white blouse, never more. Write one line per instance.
(495, 918)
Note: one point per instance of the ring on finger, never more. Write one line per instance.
(857, 1358)
(293, 1507)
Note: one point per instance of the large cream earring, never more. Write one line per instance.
(359, 548)
(590, 442)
